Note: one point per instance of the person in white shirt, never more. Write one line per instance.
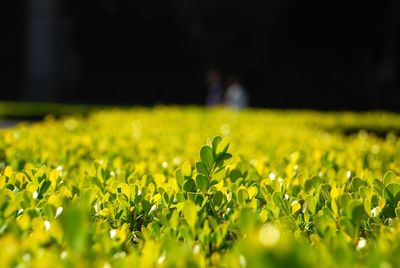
(235, 95)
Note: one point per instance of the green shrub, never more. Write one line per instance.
(139, 187)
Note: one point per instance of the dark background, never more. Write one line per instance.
(289, 53)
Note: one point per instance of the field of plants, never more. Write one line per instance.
(195, 187)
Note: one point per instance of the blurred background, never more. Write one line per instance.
(287, 53)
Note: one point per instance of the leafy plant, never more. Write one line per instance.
(137, 188)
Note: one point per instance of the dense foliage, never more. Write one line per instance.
(139, 187)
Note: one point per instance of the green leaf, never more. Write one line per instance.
(277, 198)
(218, 198)
(392, 194)
(355, 209)
(390, 177)
(219, 174)
(199, 200)
(223, 146)
(98, 183)
(179, 176)
(308, 185)
(379, 186)
(397, 211)
(189, 185)
(364, 191)
(221, 158)
(202, 168)
(216, 140)
(242, 195)
(180, 197)
(311, 205)
(206, 156)
(75, 224)
(247, 219)
(367, 205)
(356, 183)
(325, 191)
(346, 224)
(235, 174)
(252, 190)
(324, 222)
(213, 182)
(100, 173)
(190, 212)
(146, 206)
(202, 182)
(344, 200)
(43, 188)
(49, 211)
(166, 198)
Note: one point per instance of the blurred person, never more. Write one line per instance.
(235, 95)
(215, 89)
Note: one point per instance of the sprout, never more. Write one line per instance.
(58, 212)
(162, 258)
(63, 255)
(20, 211)
(375, 211)
(113, 233)
(361, 243)
(294, 202)
(196, 249)
(47, 225)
